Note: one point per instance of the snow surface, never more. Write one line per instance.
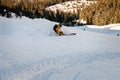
(30, 50)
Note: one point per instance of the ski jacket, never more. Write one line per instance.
(56, 28)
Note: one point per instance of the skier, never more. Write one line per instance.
(57, 29)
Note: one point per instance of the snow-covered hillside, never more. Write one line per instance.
(30, 50)
(70, 6)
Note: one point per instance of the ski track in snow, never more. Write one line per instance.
(76, 76)
(43, 70)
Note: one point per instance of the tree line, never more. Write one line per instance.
(101, 13)
(28, 8)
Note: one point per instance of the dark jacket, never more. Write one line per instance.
(56, 28)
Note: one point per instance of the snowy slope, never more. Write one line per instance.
(30, 50)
